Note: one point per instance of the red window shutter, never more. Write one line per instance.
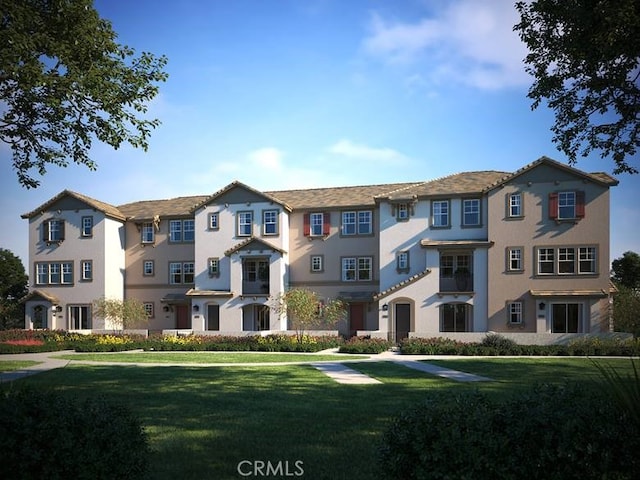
(553, 205)
(579, 204)
(326, 223)
(307, 224)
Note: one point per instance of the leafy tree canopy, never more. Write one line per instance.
(121, 314)
(13, 286)
(626, 270)
(585, 60)
(65, 81)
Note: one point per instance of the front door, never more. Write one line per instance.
(183, 321)
(356, 318)
(213, 317)
(403, 321)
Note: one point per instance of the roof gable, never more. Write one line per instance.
(253, 243)
(237, 192)
(69, 200)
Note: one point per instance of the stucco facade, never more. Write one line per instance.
(523, 252)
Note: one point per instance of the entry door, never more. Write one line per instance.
(213, 317)
(403, 321)
(182, 317)
(356, 318)
(565, 317)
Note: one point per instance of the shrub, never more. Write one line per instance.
(550, 432)
(365, 345)
(50, 435)
(500, 345)
(430, 346)
(269, 343)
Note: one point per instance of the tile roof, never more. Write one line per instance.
(402, 284)
(237, 184)
(103, 207)
(148, 209)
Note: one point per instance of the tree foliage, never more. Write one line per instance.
(626, 270)
(121, 314)
(306, 309)
(585, 60)
(13, 286)
(65, 82)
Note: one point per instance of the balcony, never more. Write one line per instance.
(462, 281)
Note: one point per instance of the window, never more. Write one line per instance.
(515, 205)
(471, 212)
(214, 267)
(402, 211)
(357, 223)
(181, 272)
(181, 230)
(402, 262)
(440, 213)
(446, 266)
(566, 205)
(54, 273)
(87, 226)
(567, 260)
(454, 317)
(357, 269)
(79, 317)
(317, 263)
(148, 268)
(147, 232)
(566, 317)
(87, 270)
(214, 221)
(270, 222)
(586, 260)
(53, 231)
(245, 224)
(317, 224)
(546, 261)
(149, 310)
(515, 312)
(570, 261)
(514, 259)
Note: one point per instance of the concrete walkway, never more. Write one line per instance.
(337, 370)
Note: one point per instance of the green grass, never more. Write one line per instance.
(11, 365)
(203, 421)
(206, 357)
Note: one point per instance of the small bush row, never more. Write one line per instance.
(551, 432)
(494, 344)
(50, 435)
(365, 345)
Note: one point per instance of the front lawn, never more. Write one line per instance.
(203, 422)
(11, 365)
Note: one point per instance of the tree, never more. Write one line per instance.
(585, 60)
(13, 286)
(121, 314)
(65, 82)
(307, 310)
(626, 270)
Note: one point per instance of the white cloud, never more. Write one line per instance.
(468, 42)
(268, 157)
(355, 151)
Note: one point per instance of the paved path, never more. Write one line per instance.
(337, 370)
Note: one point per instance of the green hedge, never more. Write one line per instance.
(50, 435)
(550, 432)
(365, 345)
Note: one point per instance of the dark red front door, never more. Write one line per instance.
(356, 318)
(182, 317)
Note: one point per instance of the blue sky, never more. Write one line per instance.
(308, 93)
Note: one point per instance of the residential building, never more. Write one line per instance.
(523, 253)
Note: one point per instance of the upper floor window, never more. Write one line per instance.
(317, 263)
(53, 230)
(147, 232)
(87, 270)
(514, 259)
(440, 213)
(148, 268)
(515, 310)
(515, 204)
(182, 230)
(54, 273)
(568, 205)
(587, 260)
(471, 212)
(317, 224)
(402, 261)
(402, 211)
(357, 223)
(245, 224)
(214, 267)
(270, 222)
(357, 269)
(181, 272)
(87, 226)
(546, 261)
(214, 221)
(567, 261)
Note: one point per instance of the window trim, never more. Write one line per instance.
(61, 273)
(84, 233)
(356, 268)
(357, 223)
(578, 207)
(46, 234)
(153, 268)
(182, 272)
(275, 223)
(307, 226)
(320, 259)
(407, 267)
(151, 314)
(509, 258)
(213, 272)
(433, 203)
(509, 206)
(239, 217)
(577, 272)
(83, 270)
(213, 221)
(515, 305)
(463, 203)
(149, 228)
(182, 230)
